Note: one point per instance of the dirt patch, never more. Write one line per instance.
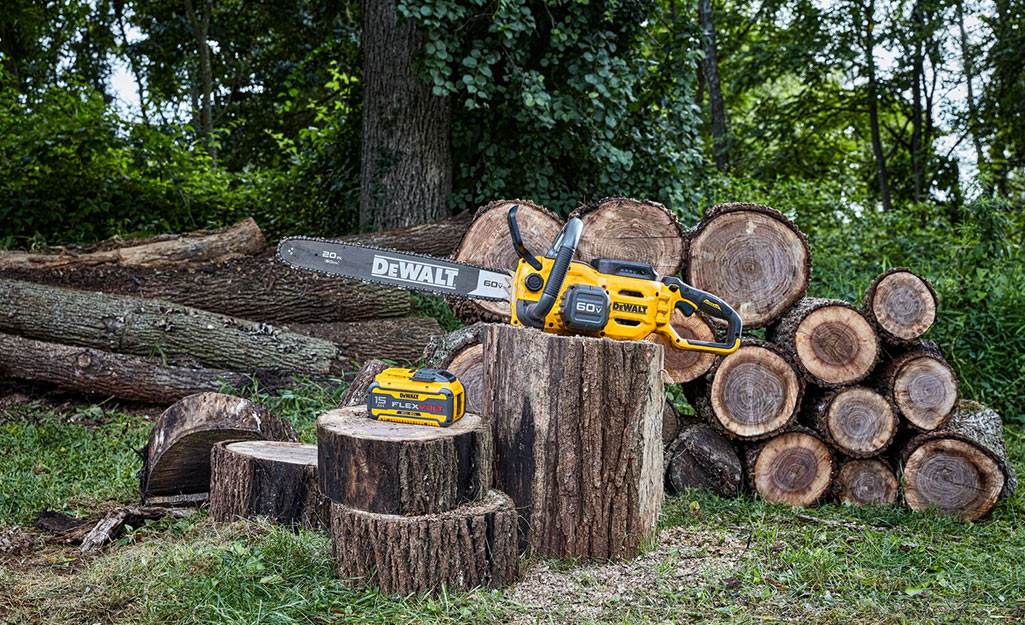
(15, 541)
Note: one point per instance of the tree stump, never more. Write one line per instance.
(901, 304)
(752, 257)
(702, 458)
(856, 420)
(922, 386)
(865, 482)
(397, 468)
(578, 438)
(266, 478)
(462, 353)
(753, 393)
(487, 243)
(831, 342)
(682, 365)
(642, 231)
(472, 545)
(794, 468)
(176, 460)
(962, 469)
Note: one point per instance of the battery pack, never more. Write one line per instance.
(417, 396)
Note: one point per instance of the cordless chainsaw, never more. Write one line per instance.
(617, 299)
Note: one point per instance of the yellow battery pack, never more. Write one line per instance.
(418, 396)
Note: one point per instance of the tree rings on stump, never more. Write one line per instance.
(795, 468)
(685, 365)
(472, 545)
(462, 353)
(704, 459)
(922, 386)
(858, 421)
(266, 478)
(752, 257)
(866, 482)
(397, 468)
(642, 231)
(831, 342)
(901, 304)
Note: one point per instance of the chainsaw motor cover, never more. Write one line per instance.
(585, 308)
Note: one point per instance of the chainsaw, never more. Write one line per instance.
(617, 299)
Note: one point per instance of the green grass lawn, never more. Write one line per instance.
(729, 561)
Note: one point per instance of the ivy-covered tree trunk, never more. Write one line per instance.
(406, 171)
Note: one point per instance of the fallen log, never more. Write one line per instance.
(671, 424)
(683, 365)
(642, 231)
(108, 527)
(462, 353)
(437, 238)
(857, 421)
(751, 256)
(921, 384)
(901, 305)
(794, 468)
(702, 458)
(865, 482)
(401, 339)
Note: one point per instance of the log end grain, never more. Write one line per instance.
(902, 304)
(794, 468)
(754, 392)
(953, 477)
(683, 365)
(866, 482)
(642, 231)
(831, 342)
(925, 390)
(858, 421)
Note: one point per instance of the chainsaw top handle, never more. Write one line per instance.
(692, 300)
(562, 250)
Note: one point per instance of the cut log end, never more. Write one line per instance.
(831, 342)
(866, 482)
(683, 365)
(754, 393)
(902, 304)
(925, 390)
(795, 468)
(636, 230)
(858, 421)
(953, 477)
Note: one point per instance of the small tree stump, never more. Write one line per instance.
(266, 478)
(462, 353)
(794, 468)
(858, 421)
(397, 468)
(472, 545)
(751, 256)
(683, 365)
(922, 386)
(578, 438)
(865, 482)
(901, 304)
(831, 342)
(702, 458)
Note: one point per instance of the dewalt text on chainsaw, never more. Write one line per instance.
(421, 397)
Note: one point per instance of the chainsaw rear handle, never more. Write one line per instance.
(562, 250)
(692, 300)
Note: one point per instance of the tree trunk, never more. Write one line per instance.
(715, 101)
(901, 305)
(201, 31)
(967, 62)
(437, 238)
(858, 421)
(683, 365)
(702, 458)
(578, 439)
(830, 341)
(865, 482)
(488, 243)
(794, 468)
(266, 478)
(102, 374)
(922, 386)
(462, 353)
(751, 256)
(642, 231)
(402, 339)
(472, 545)
(873, 107)
(356, 394)
(753, 393)
(962, 469)
(176, 459)
(396, 468)
(917, 79)
(406, 169)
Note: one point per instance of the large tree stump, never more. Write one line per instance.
(753, 393)
(176, 459)
(702, 458)
(752, 257)
(922, 386)
(397, 468)
(795, 467)
(487, 243)
(901, 304)
(472, 545)
(642, 231)
(462, 353)
(856, 420)
(578, 438)
(962, 469)
(865, 482)
(266, 478)
(683, 365)
(831, 342)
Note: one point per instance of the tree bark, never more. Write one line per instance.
(794, 468)
(578, 438)
(715, 101)
(472, 545)
(703, 459)
(901, 305)
(672, 423)
(437, 238)
(356, 394)
(176, 459)
(462, 353)
(266, 478)
(856, 420)
(865, 482)
(402, 339)
(395, 468)
(682, 365)
(751, 256)
(406, 169)
(201, 31)
(921, 384)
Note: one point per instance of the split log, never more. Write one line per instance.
(487, 243)
(274, 479)
(145, 327)
(108, 527)
(829, 340)
(356, 394)
(397, 468)
(437, 238)
(856, 420)
(703, 459)
(922, 386)
(401, 339)
(240, 239)
(901, 304)
(472, 545)
(794, 468)
(962, 469)
(176, 459)
(462, 353)
(642, 231)
(865, 482)
(753, 393)
(102, 374)
(751, 256)
(683, 365)
(578, 438)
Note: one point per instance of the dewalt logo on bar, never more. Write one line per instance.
(415, 272)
